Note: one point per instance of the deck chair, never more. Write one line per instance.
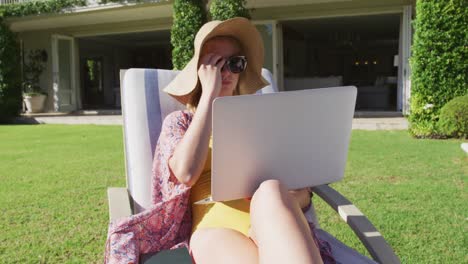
(144, 107)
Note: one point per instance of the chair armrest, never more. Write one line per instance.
(374, 242)
(119, 203)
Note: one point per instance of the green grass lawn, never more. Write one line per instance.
(54, 205)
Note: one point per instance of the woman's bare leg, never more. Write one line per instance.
(222, 245)
(279, 227)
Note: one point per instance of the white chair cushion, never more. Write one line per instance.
(272, 88)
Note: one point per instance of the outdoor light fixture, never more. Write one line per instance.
(374, 62)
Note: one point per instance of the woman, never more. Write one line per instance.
(270, 228)
(228, 60)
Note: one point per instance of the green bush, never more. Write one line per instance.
(453, 120)
(10, 74)
(439, 61)
(225, 9)
(189, 16)
(32, 70)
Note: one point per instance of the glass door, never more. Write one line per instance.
(272, 40)
(63, 73)
(402, 61)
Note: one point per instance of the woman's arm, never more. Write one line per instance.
(190, 154)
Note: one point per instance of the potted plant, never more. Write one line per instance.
(33, 96)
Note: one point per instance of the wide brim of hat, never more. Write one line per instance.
(244, 31)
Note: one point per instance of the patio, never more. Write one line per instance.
(362, 120)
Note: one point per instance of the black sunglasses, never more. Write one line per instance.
(235, 64)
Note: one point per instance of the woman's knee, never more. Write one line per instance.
(269, 187)
(201, 239)
(204, 238)
(270, 194)
(202, 243)
(275, 215)
(222, 245)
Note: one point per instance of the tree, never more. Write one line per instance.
(189, 16)
(225, 9)
(10, 74)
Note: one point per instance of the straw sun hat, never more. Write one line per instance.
(251, 42)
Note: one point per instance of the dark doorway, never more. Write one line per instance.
(342, 51)
(103, 57)
(93, 77)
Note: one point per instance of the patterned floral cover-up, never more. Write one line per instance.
(167, 223)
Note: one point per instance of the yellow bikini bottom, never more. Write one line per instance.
(232, 214)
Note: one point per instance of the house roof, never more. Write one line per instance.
(94, 14)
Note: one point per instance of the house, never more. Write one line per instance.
(308, 44)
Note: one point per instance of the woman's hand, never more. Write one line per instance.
(209, 74)
(302, 196)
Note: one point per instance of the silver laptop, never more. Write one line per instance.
(300, 138)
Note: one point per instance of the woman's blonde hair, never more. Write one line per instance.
(195, 95)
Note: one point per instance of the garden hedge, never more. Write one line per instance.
(225, 9)
(189, 16)
(439, 61)
(10, 74)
